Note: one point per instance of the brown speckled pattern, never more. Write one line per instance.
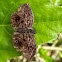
(26, 43)
(23, 39)
(23, 18)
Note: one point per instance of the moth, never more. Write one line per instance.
(23, 39)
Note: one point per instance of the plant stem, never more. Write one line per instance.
(52, 48)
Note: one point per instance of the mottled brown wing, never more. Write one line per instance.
(23, 18)
(23, 40)
(26, 43)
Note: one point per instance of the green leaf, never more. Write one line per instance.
(6, 47)
(43, 53)
(61, 54)
(47, 22)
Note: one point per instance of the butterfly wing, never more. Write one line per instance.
(27, 13)
(30, 47)
(19, 40)
(26, 43)
(23, 18)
